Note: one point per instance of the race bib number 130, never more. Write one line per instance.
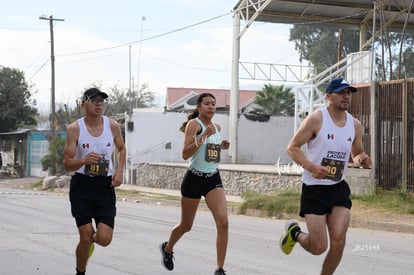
(213, 152)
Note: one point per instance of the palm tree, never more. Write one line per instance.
(275, 100)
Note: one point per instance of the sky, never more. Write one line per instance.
(159, 43)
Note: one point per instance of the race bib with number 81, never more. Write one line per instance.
(98, 169)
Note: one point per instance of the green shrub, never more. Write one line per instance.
(272, 205)
(394, 200)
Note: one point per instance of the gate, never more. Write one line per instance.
(394, 137)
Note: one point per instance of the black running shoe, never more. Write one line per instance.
(167, 258)
(220, 271)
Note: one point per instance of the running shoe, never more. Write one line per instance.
(220, 271)
(287, 242)
(167, 258)
(91, 249)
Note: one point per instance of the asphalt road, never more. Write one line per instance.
(38, 236)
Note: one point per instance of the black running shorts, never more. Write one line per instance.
(320, 199)
(92, 198)
(196, 184)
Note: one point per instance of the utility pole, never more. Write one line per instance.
(340, 36)
(139, 57)
(52, 98)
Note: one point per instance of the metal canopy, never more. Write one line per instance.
(347, 13)
(393, 15)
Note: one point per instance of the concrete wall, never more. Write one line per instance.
(240, 178)
(156, 138)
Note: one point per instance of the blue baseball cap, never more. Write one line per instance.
(337, 85)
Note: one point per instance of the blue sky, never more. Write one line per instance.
(185, 43)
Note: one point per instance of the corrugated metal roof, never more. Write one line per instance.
(17, 132)
(351, 13)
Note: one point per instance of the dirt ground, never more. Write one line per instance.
(361, 216)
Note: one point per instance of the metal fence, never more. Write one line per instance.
(394, 134)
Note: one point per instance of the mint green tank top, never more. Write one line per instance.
(198, 160)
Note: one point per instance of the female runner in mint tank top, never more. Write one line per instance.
(202, 147)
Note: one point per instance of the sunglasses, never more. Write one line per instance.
(97, 101)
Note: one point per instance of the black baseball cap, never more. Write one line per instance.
(92, 92)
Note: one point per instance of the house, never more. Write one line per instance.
(185, 99)
(21, 152)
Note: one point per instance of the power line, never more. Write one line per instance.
(329, 20)
(38, 70)
(38, 55)
(88, 58)
(185, 66)
(148, 38)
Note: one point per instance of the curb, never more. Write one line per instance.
(383, 226)
(26, 183)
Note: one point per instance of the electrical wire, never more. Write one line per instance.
(148, 38)
(38, 70)
(329, 20)
(185, 66)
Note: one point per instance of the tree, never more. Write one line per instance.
(275, 100)
(16, 104)
(144, 97)
(121, 101)
(118, 102)
(319, 44)
(55, 156)
(397, 55)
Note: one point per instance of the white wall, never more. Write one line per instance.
(259, 142)
(264, 142)
(152, 131)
